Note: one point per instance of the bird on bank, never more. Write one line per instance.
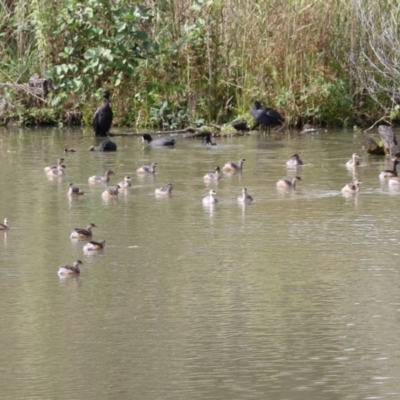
(65, 270)
(81, 233)
(103, 116)
(94, 246)
(265, 116)
(390, 173)
(74, 191)
(287, 183)
(211, 199)
(160, 142)
(231, 167)
(101, 179)
(294, 161)
(164, 190)
(4, 226)
(245, 198)
(353, 162)
(352, 187)
(213, 176)
(147, 169)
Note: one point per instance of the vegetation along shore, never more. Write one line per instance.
(170, 63)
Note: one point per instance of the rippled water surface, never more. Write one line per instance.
(296, 296)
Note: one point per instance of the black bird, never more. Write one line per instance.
(107, 145)
(207, 141)
(103, 116)
(265, 116)
(240, 125)
(160, 142)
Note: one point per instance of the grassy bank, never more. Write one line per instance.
(169, 62)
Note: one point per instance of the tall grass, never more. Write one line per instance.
(216, 57)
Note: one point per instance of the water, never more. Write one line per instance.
(293, 297)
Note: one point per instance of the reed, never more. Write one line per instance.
(311, 59)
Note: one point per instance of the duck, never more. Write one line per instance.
(125, 183)
(93, 245)
(58, 171)
(211, 199)
(160, 142)
(390, 173)
(147, 169)
(394, 182)
(4, 226)
(50, 167)
(231, 167)
(213, 176)
(244, 197)
(103, 116)
(294, 161)
(353, 162)
(74, 191)
(352, 187)
(207, 141)
(101, 179)
(65, 270)
(81, 233)
(111, 192)
(164, 190)
(67, 150)
(265, 116)
(286, 183)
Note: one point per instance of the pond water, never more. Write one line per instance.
(296, 296)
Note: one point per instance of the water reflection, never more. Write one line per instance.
(285, 298)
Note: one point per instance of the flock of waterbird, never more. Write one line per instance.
(102, 120)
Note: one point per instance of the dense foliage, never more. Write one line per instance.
(168, 62)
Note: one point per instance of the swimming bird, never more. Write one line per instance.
(101, 179)
(93, 245)
(390, 173)
(74, 191)
(4, 226)
(394, 182)
(294, 161)
(160, 142)
(353, 162)
(65, 270)
(56, 172)
(352, 187)
(286, 183)
(81, 233)
(111, 192)
(67, 150)
(107, 145)
(147, 169)
(213, 176)
(231, 167)
(125, 183)
(103, 116)
(211, 199)
(164, 190)
(244, 197)
(207, 141)
(265, 116)
(50, 167)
